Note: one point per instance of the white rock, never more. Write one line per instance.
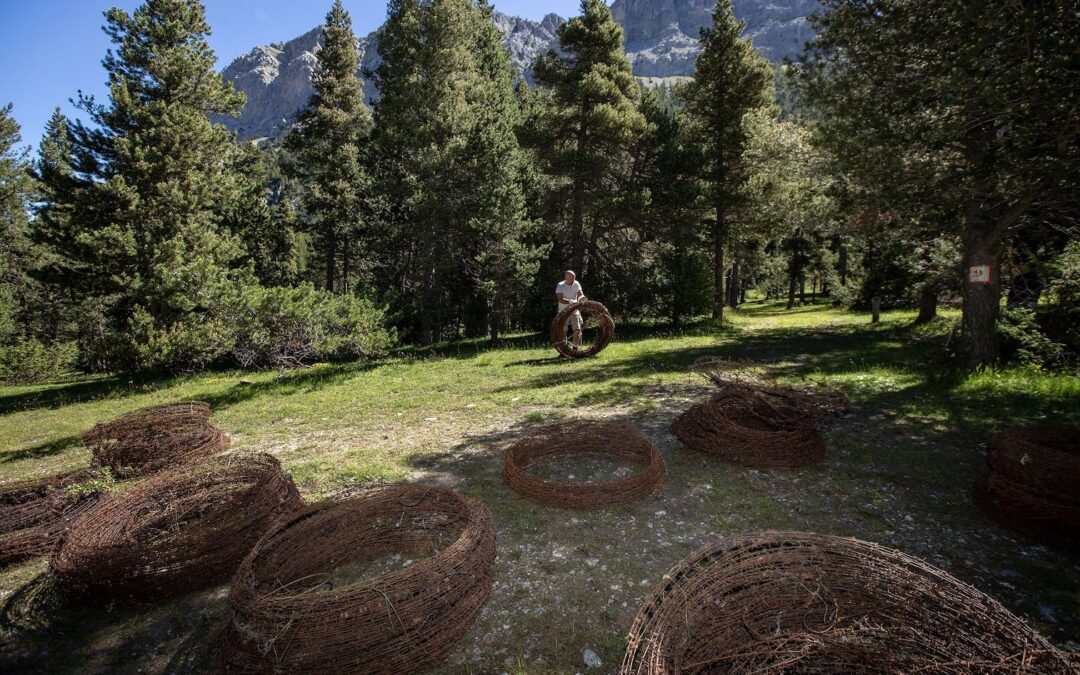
(591, 659)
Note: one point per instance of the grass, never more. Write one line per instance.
(899, 471)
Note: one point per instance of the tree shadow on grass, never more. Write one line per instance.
(62, 393)
(46, 631)
(46, 449)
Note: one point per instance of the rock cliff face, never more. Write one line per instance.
(661, 42)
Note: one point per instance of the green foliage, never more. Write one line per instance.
(958, 118)
(134, 204)
(1023, 340)
(102, 479)
(1059, 313)
(450, 170)
(329, 145)
(731, 80)
(588, 124)
(15, 251)
(30, 361)
(291, 327)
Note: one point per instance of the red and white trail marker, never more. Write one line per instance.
(981, 275)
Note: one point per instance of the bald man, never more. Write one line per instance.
(567, 293)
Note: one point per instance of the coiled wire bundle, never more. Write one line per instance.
(156, 438)
(592, 313)
(175, 532)
(35, 515)
(294, 610)
(1034, 483)
(783, 602)
(767, 428)
(614, 439)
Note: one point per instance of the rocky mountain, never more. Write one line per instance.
(661, 42)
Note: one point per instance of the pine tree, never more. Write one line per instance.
(731, 79)
(329, 143)
(590, 125)
(138, 216)
(15, 255)
(262, 216)
(969, 107)
(450, 165)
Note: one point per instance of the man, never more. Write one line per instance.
(567, 293)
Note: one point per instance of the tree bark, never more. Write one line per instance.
(792, 283)
(331, 261)
(734, 281)
(982, 301)
(875, 305)
(842, 264)
(719, 237)
(928, 302)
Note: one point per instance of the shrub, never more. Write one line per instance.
(1059, 316)
(30, 361)
(291, 327)
(1023, 340)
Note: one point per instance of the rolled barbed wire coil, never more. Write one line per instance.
(783, 602)
(1043, 458)
(605, 329)
(615, 439)
(753, 428)
(175, 532)
(1042, 516)
(153, 439)
(288, 615)
(35, 515)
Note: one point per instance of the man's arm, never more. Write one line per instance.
(561, 300)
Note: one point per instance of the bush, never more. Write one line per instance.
(1023, 340)
(1059, 316)
(291, 327)
(187, 345)
(30, 361)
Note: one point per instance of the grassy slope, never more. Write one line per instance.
(899, 472)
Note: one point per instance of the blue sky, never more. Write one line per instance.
(51, 49)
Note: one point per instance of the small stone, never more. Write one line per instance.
(592, 562)
(591, 659)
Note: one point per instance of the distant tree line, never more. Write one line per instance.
(913, 146)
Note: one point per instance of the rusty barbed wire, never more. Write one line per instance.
(591, 313)
(616, 439)
(289, 615)
(1043, 458)
(156, 438)
(175, 532)
(753, 427)
(35, 515)
(781, 602)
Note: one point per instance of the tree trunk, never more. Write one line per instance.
(331, 262)
(792, 283)
(982, 296)
(802, 291)
(842, 264)
(928, 301)
(813, 290)
(734, 281)
(875, 305)
(577, 215)
(345, 287)
(719, 236)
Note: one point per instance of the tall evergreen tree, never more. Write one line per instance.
(449, 164)
(139, 213)
(970, 106)
(591, 125)
(731, 79)
(15, 255)
(329, 145)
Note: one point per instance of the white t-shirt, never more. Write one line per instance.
(568, 292)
